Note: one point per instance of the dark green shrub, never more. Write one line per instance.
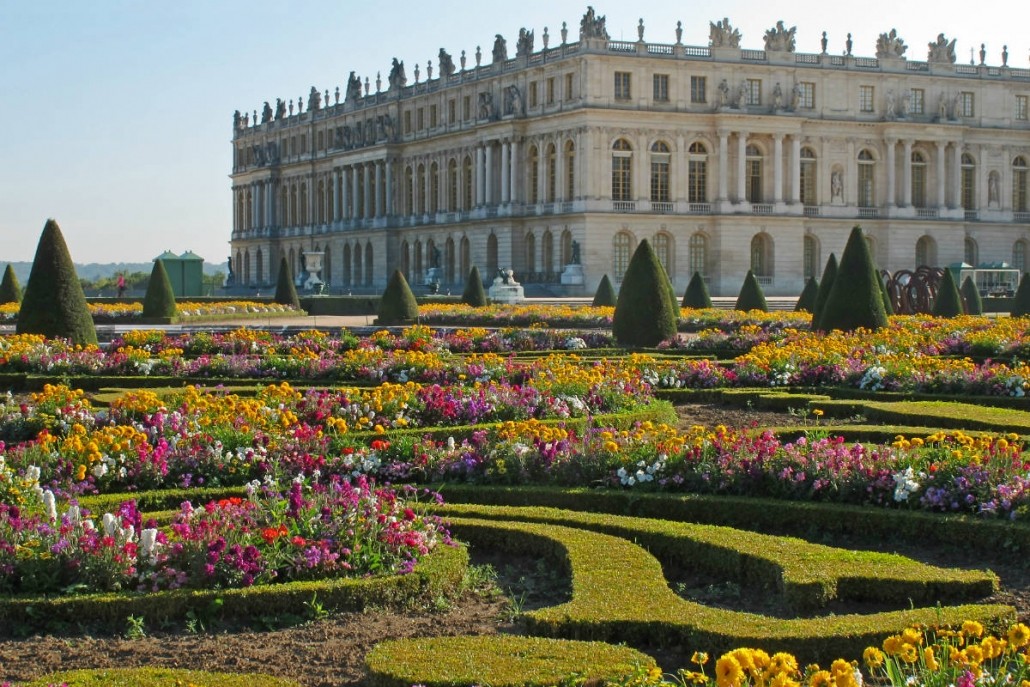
(751, 296)
(160, 299)
(855, 299)
(10, 289)
(646, 312)
(285, 291)
(474, 294)
(806, 301)
(948, 302)
(696, 295)
(54, 304)
(398, 304)
(888, 306)
(974, 305)
(605, 294)
(829, 274)
(1021, 303)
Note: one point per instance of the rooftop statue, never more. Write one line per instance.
(266, 113)
(942, 51)
(446, 63)
(723, 35)
(524, 48)
(890, 45)
(280, 108)
(500, 49)
(780, 38)
(592, 26)
(398, 79)
(353, 88)
(237, 120)
(314, 100)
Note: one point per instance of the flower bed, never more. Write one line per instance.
(119, 313)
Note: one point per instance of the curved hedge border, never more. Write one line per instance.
(158, 677)
(437, 574)
(619, 594)
(498, 661)
(807, 575)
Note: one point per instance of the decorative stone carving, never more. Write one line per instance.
(237, 120)
(266, 113)
(890, 45)
(723, 35)
(397, 79)
(280, 109)
(742, 95)
(780, 38)
(500, 49)
(592, 26)
(353, 88)
(640, 30)
(446, 63)
(486, 105)
(890, 110)
(795, 97)
(524, 47)
(513, 101)
(942, 51)
(722, 97)
(777, 97)
(314, 100)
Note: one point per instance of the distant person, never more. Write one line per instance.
(121, 285)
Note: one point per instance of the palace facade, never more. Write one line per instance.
(726, 159)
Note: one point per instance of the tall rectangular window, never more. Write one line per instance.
(550, 91)
(754, 181)
(452, 111)
(533, 97)
(568, 86)
(866, 187)
(966, 104)
(697, 181)
(407, 121)
(660, 179)
(1021, 107)
(754, 91)
(622, 85)
(303, 144)
(806, 95)
(917, 101)
(420, 119)
(661, 88)
(466, 108)
(698, 89)
(808, 182)
(622, 177)
(865, 98)
(432, 116)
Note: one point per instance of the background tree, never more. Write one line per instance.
(398, 304)
(474, 294)
(806, 301)
(696, 296)
(159, 302)
(829, 274)
(948, 302)
(971, 300)
(285, 291)
(751, 296)
(53, 304)
(855, 299)
(10, 288)
(605, 294)
(646, 312)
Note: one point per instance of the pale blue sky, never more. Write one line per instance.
(116, 114)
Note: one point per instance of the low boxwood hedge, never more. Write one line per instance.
(158, 677)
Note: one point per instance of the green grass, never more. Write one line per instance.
(159, 677)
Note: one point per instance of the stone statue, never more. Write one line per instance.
(524, 48)
(592, 26)
(824, 42)
(231, 279)
(446, 63)
(848, 44)
(723, 35)
(314, 100)
(575, 253)
(500, 49)
(266, 113)
(640, 30)
(1004, 56)
(892, 103)
(906, 104)
(777, 97)
(722, 98)
(435, 260)
(742, 95)
(983, 53)
(993, 197)
(942, 51)
(486, 105)
(397, 78)
(780, 39)
(513, 101)
(837, 185)
(890, 45)
(280, 108)
(942, 107)
(237, 120)
(679, 33)
(353, 88)
(795, 97)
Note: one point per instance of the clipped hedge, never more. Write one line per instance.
(498, 661)
(158, 677)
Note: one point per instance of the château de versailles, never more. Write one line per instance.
(725, 158)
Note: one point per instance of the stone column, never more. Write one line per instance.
(941, 192)
(480, 177)
(367, 196)
(514, 174)
(389, 210)
(236, 210)
(355, 197)
(344, 195)
(795, 171)
(741, 166)
(906, 180)
(778, 168)
(724, 164)
(488, 162)
(379, 189)
(559, 171)
(505, 172)
(427, 188)
(541, 173)
(891, 170)
(336, 193)
(956, 176)
(270, 201)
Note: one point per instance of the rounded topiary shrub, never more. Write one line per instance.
(54, 304)
(696, 296)
(605, 294)
(751, 296)
(806, 301)
(948, 302)
(285, 291)
(474, 294)
(829, 274)
(888, 305)
(398, 304)
(10, 289)
(971, 300)
(1021, 302)
(646, 312)
(158, 677)
(159, 302)
(855, 299)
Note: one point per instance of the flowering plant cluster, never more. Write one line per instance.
(128, 312)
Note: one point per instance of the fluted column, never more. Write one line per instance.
(514, 174)
(505, 172)
(906, 180)
(355, 197)
(741, 166)
(344, 195)
(337, 173)
(366, 170)
(379, 189)
(488, 162)
(559, 171)
(427, 187)
(941, 193)
(892, 144)
(269, 203)
(388, 210)
(480, 177)
(724, 165)
(795, 170)
(778, 168)
(956, 176)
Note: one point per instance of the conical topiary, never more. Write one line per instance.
(54, 304)
(751, 296)
(948, 302)
(888, 306)
(646, 312)
(829, 274)
(855, 300)
(398, 304)
(1021, 301)
(605, 296)
(285, 291)
(806, 301)
(696, 295)
(159, 302)
(474, 294)
(10, 289)
(971, 300)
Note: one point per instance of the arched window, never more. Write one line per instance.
(1019, 185)
(449, 261)
(926, 252)
(465, 258)
(810, 258)
(566, 247)
(660, 157)
(419, 266)
(284, 202)
(552, 173)
(467, 185)
(330, 204)
(491, 254)
(452, 185)
(761, 256)
(570, 170)
(320, 201)
(292, 262)
(293, 205)
(405, 266)
(1019, 255)
(368, 264)
(303, 204)
(918, 180)
(753, 174)
(622, 171)
(534, 175)
(621, 245)
(547, 249)
(697, 173)
(434, 188)
(409, 190)
(972, 252)
(347, 266)
(808, 177)
(530, 252)
(241, 214)
(248, 211)
(968, 182)
(327, 266)
(420, 190)
(866, 180)
(698, 254)
(663, 249)
(356, 271)
(246, 267)
(260, 266)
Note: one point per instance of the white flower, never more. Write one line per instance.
(148, 543)
(100, 469)
(50, 505)
(110, 524)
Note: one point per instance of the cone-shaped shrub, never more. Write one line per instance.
(398, 304)
(806, 301)
(751, 296)
(948, 302)
(888, 306)
(474, 294)
(696, 295)
(160, 299)
(10, 289)
(605, 294)
(971, 300)
(285, 291)
(855, 299)
(646, 312)
(1021, 302)
(54, 304)
(829, 274)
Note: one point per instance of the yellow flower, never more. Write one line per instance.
(1019, 636)
(817, 412)
(728, 672)
(820, 678)
(972, 628)
(893, 645)
(873, 657)
(929, 659)
(699, 657)
(909, 653)
(912, 635)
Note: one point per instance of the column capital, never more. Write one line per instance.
(891, 140)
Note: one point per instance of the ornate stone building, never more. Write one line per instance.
(725, 158)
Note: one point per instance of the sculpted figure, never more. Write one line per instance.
(837, 185)
(486, 105)
(266, 113)
(280, 108)
(942, 50)
(446, 63)
(237, 120)
(780, 38)
(890, 45)
(777, 97)
(353, 88)
(742, 95)
(500, 49)
(314, 100)
(524, 48)
(891, 105)
(723, 35)
(592, 26)
(722, 99)
(513, 101)
(398, 79)
(795, 97)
